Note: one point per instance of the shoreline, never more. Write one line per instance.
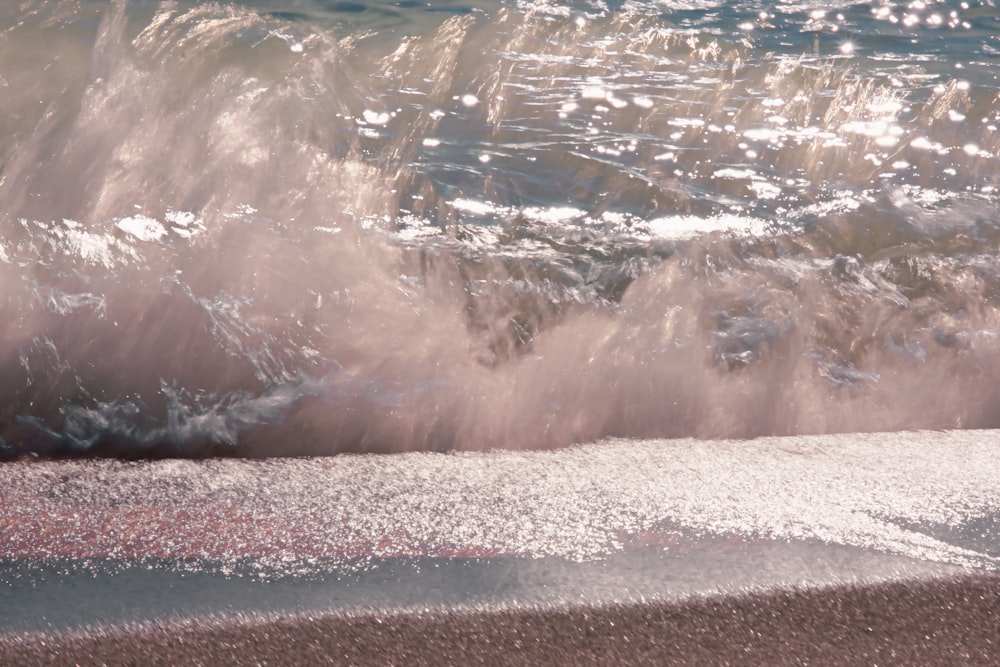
(952, 620)
(853, 549)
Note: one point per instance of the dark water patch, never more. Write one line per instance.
(352, 7)
(289, 16)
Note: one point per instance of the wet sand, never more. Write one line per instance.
(876, 549)
(954, 621)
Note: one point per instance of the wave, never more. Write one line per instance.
(229, 230)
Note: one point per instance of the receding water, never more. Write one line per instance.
(53, 596)
(269, 228)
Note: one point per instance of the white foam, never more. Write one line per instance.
(690, 226)
(907, 494)
(552, 214)
(142, 227)
(476, 207)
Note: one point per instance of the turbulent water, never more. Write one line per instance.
(310, 226)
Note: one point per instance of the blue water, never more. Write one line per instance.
(270, 228)
(58, 595)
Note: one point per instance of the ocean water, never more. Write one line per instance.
(312, 226)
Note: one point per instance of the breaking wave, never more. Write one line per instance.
(237, 229)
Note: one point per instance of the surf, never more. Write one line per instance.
(232, 229)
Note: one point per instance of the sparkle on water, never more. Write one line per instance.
(262, 228)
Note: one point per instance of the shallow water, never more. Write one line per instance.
(269, 228)
(48, 596)
(109, 542)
